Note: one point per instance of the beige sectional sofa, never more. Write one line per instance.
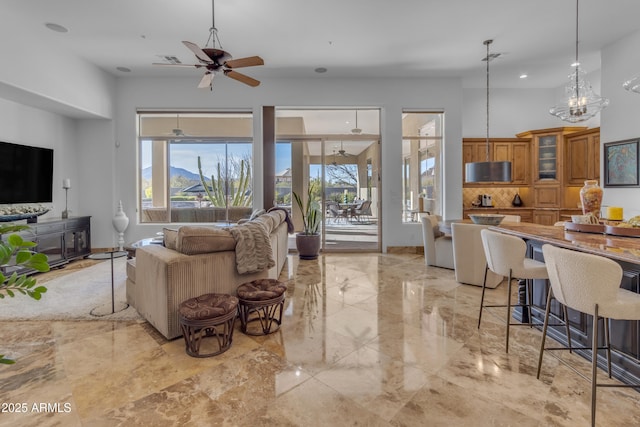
(195, 261)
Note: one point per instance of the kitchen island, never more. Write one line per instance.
(625, 335)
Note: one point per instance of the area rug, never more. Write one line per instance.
(73, 296)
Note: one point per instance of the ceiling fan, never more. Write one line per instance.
(177, 131)
(356, 130)
(215, 60)
(342, 152)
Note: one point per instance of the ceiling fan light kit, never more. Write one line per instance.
(215, 60)
(488, 171)
(581, 103)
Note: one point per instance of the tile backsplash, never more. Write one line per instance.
(501, 196)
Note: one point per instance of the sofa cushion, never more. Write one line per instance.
(194, 240)
(131, 269)
(271, 221)
(170, 238)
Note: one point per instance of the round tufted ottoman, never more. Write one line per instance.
(208, 316)
(261, 301)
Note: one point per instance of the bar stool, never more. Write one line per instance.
(589, 284)
(506, 256)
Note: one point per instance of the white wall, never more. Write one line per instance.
(47, 77)
(25, 125)
(621, 120)
(511, 111)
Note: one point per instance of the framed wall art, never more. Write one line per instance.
(621, 163)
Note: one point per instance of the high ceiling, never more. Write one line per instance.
(351, 38)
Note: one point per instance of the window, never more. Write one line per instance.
(422, 139)
(195, 167)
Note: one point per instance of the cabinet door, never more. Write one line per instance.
(502, 151)
(546, 165)
(583, 158)
(579, 165)
(545, 217)
(51, 244)
(520, 160)
(547, 197)
(595, 164)
(481, 152)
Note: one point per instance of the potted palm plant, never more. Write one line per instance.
(308, 240)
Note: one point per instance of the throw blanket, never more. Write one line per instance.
(290, 228)
(253, 247)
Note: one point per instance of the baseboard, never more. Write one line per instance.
(405, 250)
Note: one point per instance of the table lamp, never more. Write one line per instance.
(66, 184)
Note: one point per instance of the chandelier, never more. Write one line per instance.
(581, 102)
(488, 171)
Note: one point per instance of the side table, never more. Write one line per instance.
(103, 310)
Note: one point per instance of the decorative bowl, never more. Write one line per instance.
(486, 219)
(547, 166)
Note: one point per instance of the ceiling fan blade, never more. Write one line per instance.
(250, 61)
(200, 54)
(207, 81)
(166, 64)
(241, 78)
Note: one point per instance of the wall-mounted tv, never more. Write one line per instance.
(26, 174)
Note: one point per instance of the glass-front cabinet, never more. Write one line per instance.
(547, 158)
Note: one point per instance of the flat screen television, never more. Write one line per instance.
(26, 174)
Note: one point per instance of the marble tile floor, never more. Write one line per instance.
(367, 339)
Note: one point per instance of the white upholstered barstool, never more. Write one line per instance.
(589, 284)
(506, 256)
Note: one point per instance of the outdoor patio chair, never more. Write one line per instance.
(364, 209)
(336, 212)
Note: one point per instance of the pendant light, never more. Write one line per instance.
(488, 171)
(581, 103)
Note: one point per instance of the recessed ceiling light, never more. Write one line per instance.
(124, 69)
(320, 70)
(56, 27)
(523, 76)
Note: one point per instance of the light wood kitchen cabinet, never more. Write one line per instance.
(582, 154)
(514, 150)
(546, 196)
(548, 153)
(548, 167)
(546, 217)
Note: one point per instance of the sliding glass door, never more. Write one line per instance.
(343, 164)
(350, 199)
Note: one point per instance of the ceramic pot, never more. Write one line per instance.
(517, 201)
(308, 245)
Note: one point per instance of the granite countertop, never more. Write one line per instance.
(502, 208)
(614, 247)
(499, 207)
